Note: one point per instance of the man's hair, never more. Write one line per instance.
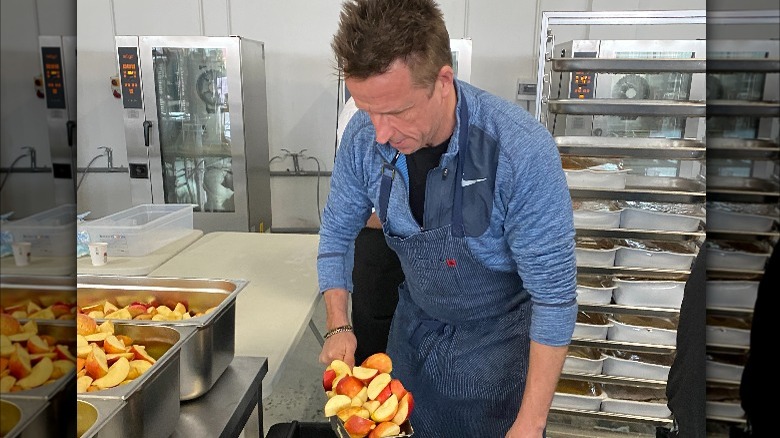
(373, 34)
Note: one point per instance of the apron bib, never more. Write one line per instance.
(459, 339)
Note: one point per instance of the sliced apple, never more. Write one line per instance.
(113, 357)
(362, 397)
(398, 389)
(36, 345)
(386, 411)
(6, 346)
(384, 394)
(364, 374)
(85, 325)
(34, 358)
(122, 313)
(60, 309)
(82, 383)
(32, 307)
(39, 374)
(80, 364)
(349, 386)
(49, 339)
(6, 383)
(115, 375)
(19, 362)
(336, 403)
(106, 327)
(97, 337)
(96, 314)
(360, 411)
(371, 406)
(136, 309)
(180, 308)
(405, 407)
(140, 353)
(379, 361)
(138, 367)
(109, 307)
(127, 340)
(112, 345)
(341, 368)
(9, 325)
(327, 379)
(358, 427)
(96, 363)
(64, 353)
(30, 327)
(378, 384)
(21, 337)
(46, 313)
(384, 430)
(63, 367)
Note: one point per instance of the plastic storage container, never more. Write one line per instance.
(50, 232)
(142, 229)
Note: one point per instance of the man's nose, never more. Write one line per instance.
(383, 129)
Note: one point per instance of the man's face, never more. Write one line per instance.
(406, 116)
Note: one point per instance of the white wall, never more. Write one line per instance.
(22, 114)
(300, 78)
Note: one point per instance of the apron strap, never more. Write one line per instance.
(388, 173)
(463, 150)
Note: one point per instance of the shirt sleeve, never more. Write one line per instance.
(540, 233)
(346, 212)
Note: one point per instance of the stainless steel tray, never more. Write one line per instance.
(209, 352)
(738, 65)
(742, 184)
(45, 290)
(22, 417)
(630, 147)
(151, 400)
(629, 107)
(602, 378)
(95, 416)
(740, 108)
(629, 65)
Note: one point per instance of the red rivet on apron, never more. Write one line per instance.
(451, 263)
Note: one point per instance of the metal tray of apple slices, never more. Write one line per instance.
(44, 291)
(209, 352)
(151, 403)
(338, 427)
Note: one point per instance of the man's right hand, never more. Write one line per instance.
(341, 345)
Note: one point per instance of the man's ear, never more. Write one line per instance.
(446, 78)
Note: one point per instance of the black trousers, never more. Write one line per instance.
(376, 276)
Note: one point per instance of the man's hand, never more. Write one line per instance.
(339, 346)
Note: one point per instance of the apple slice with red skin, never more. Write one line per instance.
(379, 361)
(378, 384)
(349, 386)
(405, 408)
(365, 374)
(386, 411)
(358, 427)
(385, 429)
(327, 379)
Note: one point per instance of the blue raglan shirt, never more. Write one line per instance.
(530, 228)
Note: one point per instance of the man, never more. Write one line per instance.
(376, 275)
(471, 195)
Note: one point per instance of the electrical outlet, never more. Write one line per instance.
(526, 89)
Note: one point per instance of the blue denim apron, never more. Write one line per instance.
(459, 339)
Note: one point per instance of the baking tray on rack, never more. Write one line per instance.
(630, 147)
(209, 352)
(629, 107)
(150, 401)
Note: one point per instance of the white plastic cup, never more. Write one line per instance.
(21, 253)
(98, 252)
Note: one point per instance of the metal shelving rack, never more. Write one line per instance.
(638, 188)
(744, 189)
